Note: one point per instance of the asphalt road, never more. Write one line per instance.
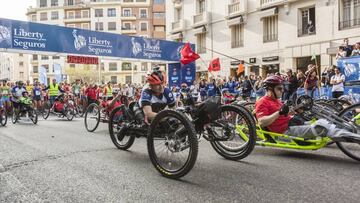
(58, 161)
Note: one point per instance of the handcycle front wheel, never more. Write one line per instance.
(239, 130)
(351, 149)
(34, 117)
(119, 133)
(46, 110)
(3, 117)
(172, 144)
(92, 117)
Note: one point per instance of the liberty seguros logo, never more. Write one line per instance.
(5, 34)
(79, 41)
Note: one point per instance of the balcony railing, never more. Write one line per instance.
(349, 24)
(128, 15)
(270, 38)
(306, 32)
(129, 28)
(265, 3)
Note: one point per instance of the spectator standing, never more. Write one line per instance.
(341, 53)
(347, 48)
(291, 86)
(356, 51)
(338, 84)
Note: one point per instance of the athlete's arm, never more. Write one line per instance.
(149, 114)
(265, 121)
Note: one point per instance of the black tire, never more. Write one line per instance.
(46, 110)
(14, 117)
(122, 132)
(189, 138)
(339, 104)
(69, 113)
(3, 118)
(91, 108)
(237, 153)
(81, 110)
(34, 119)
(348, 147)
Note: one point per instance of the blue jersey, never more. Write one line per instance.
(36, 92)
(211, 89)
(202, 89)
(231, 86)
(157, 102)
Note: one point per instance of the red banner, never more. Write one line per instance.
(82, 60)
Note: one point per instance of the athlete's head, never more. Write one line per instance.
(157, 80)
(274, 86)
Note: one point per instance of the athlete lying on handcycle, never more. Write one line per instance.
(276, 117)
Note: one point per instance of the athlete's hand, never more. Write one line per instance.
(284, 110)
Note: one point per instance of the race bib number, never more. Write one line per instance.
(37, 93)
(77, 91)
(5, 92)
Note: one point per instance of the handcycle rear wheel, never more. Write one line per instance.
(118, 131)
(237, 146)
(92, 112)
(351, 149)
(46, 110)
(34, 117)
(172, 144)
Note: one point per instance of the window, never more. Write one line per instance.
(237, 36)
(85, 26)
(349, 14)
(43, 16)
(77, 14)
(70, 2)
(178, 14)
(99, 13)
(128, 1)
(85, 14)
(111, 12)
(307, 22)
(43, 3)
(35, 69)
(128, 79)
(126, 66)
(54, 15)
(21, 63)
(46, 67)
(21, 74)
(159, 15)
(159, 2)
(54, 2)
(126, 26)
(270, 29)
(99, 26)
(35, 57)
(143, 26)
(201, 43)
(112, 66)
(33, 18)
(102, 66)
(143, 13)
(111, 25)
(70, 15)
(143, 79)
(21, 55)
(113, 79)
(144, 66)
(44, 57)
(56, 57)
(126, 12)
(200, 6)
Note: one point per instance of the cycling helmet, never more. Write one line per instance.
(25, 92)
(273, 81)
(156, 77)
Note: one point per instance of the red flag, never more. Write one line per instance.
(188, 55)
(214, 65)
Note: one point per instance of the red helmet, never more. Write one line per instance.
(157, 77)
(273, 81)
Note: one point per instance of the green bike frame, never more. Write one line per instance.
(284, 141)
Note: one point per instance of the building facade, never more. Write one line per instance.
(269, 35)
(14, 67)
(144, 18)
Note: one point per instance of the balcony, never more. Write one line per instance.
(348, 24)
(306, 32)
(237, 9)
(159, 21)
(178, 26)
(159, 34)
(200, 19)
(128, 16)
(270, 3)
(76, 18)
(128, 30)
(177, 3)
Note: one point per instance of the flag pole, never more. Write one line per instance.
(319, 74)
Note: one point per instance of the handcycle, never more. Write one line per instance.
(62, 107)
(96, 113)
(345, 120)
(24, 110)
(173, 135)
